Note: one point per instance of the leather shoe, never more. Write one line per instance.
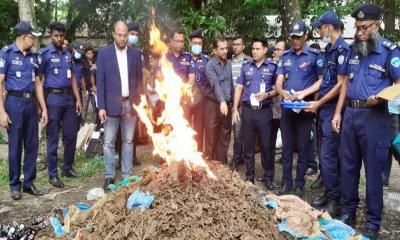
(15, 194)
(107, 182)
(320, 201)
(56, 182)
(71, 174)
(32, 190)
(370, 233)
(311, 171)
(317, 183)
(349, 219)
(299, 192)
(333, 208)
(285, 190)
(269, 184)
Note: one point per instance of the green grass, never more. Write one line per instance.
(86, 166)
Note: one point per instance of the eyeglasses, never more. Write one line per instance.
(363, 28)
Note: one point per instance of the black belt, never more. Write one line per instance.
(262, 105)
(356, 104)
(62, 91)
(125, 98)
(25, 95)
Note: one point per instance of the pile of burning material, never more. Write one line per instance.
(192, 199)
(188, 205)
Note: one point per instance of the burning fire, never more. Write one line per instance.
(175, 142)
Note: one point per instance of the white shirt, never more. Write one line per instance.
(122, 59)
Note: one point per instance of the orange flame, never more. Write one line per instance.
(176, 140)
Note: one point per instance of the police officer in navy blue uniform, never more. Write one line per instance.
(299, 69)
(199, 82)
(256, 81)
(334, 74)
(180, 60)
(19, 112)
(63, 103)
(374, 64)
(78, 51)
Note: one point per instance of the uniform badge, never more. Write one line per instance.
(2, 63)
(18, 74)
(296, 27)
(351, 76)
(361, 14)
(55, 60)
(55, 71)
(395, 62)
(320, 63)
(341, 59)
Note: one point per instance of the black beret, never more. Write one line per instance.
(198, 33)
(133, 26)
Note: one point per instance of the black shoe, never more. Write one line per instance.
(71, 174)
(299, 192)
(370, 233)
(317, 184)
(269, 184)
(107, 182)
(320, 201)
(311, 171)
(32, 190)
(333, 208)
(136, 162)
(285, 190)
(349, 219)
(56, 182)
(15, 194)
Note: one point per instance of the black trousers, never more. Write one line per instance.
(257, 123)
(217, 131)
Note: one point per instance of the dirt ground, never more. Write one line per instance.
(25, 210)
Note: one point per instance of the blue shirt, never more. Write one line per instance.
(252, 76)
(335, 63)
(56, 67)
(181, 64)
(198, 68)
(77, 70)
(20, 70)
(300, 71)
(371, 74)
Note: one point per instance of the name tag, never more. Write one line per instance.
(305, 64)
(333, 63)
(377, 67)
(248, 73)
(287, 64)
(55, 60)
(354, 61)
(262, 87)
(16, 62)
(185, 63)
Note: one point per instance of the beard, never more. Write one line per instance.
(364, 48)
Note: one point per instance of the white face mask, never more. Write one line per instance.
(77, 55)
(326, 39)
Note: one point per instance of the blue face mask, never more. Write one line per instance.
(197, 49)
(133, 39)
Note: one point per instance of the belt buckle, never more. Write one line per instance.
(26, 95)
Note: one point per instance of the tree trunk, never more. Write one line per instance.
(27, 11)
(290, 11)
(389, 15)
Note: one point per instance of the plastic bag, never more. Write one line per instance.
(141, 200)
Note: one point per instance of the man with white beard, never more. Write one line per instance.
(373, 64)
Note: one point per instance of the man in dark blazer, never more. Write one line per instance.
(118, 76)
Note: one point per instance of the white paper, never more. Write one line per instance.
(95, 135)
(253, 101)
